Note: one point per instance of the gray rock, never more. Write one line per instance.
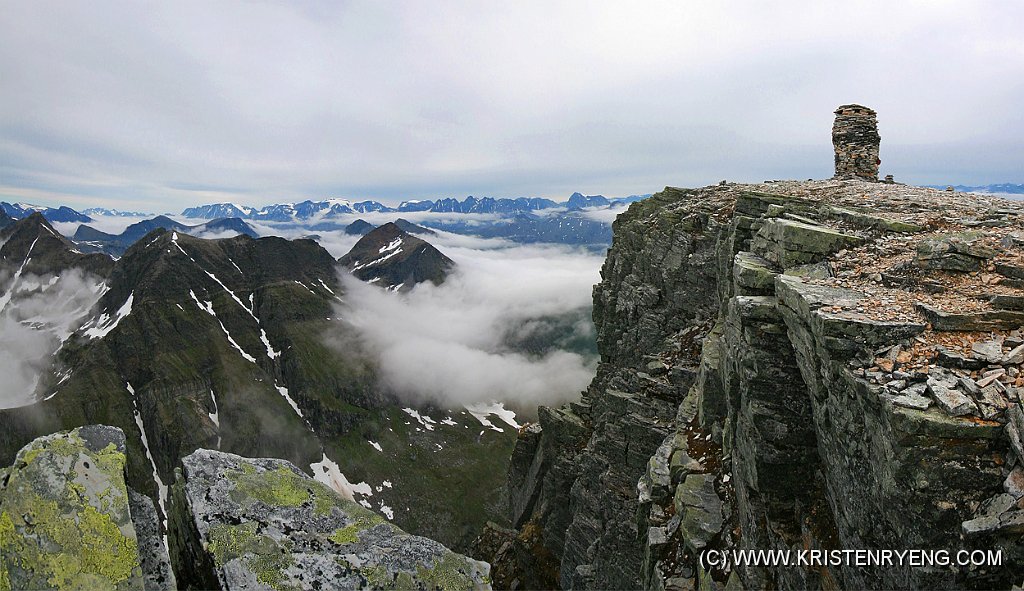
(788, 243)
(701, 510)
(952, 359)
(960, 253)
(952, 401)
(65, 517)
(977, 321)
(912, 401)
(243, 523)
(156, 563)
(682, 464)
(1014, 357)
(990, 351)
(1014, 483)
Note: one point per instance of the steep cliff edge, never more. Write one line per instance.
(792, 365)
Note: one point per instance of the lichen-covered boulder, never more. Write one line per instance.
(65, 521)
(240, 523)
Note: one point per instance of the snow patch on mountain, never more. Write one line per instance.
(290, 401)
(161, 487)
(104, 324)
(328, 472)
(427, 422)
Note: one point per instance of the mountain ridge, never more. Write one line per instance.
(332, 208)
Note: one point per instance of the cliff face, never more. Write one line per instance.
(817, 365)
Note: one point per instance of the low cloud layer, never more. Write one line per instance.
(460, 343)
(41, 313)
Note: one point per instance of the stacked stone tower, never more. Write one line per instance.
(855, 138)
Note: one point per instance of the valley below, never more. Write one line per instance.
(241, 341)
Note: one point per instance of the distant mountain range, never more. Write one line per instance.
(20, 211)
(307, 211)
(102, 211)
(570, 227)
(523, 219)
(1008, 188)
(91, 239)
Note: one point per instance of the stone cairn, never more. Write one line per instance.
(855, 138)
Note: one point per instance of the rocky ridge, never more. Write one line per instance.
(789, 365)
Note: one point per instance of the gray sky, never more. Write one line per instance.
(157, 106)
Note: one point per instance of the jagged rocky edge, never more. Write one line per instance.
(68, 520)
(241, 523)
(689, 498)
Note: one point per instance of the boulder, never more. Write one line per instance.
(65, 516)
(240, 523)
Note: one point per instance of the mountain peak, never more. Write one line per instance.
(33, 245)
(396, 260)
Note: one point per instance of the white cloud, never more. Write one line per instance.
(450, 343)
(41, 314)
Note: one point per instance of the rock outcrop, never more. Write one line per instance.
(68, 520)
(819, 365)
(242, 523)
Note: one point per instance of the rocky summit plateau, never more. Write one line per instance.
(826, 365)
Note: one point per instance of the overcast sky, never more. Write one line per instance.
(157, 106)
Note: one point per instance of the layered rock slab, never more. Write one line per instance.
(240, 523)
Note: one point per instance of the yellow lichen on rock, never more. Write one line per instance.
(64, 517)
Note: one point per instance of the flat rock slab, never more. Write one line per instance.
(263, 523)
(958, 252)
(788, 243)
(952, 401)
(1008, 302)
(979, 321)
(912, 400)
(990, 351)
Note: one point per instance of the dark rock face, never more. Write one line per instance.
(411, 228)
(116, 244)
(579, 201)
(242, 523)
(34, 247)
(396, 260)
(855, 138)
(5, 220)
(789, 366)
(359, 228)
